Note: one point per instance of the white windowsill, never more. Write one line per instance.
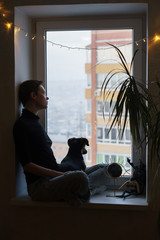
(97, 201)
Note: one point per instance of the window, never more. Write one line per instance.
(100, 134)
(102, 157)
(88, 130)
(89, 105)
(88, 80)
(69, 23)
(114, 136)
(82, 121)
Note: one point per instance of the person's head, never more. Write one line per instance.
(32, 92)
(114, 170)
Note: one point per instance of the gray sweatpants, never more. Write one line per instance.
(68, 187)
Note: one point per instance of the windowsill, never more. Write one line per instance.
(97, 201)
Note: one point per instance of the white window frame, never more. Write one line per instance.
(88, 24)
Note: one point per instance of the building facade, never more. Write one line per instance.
(102, 59)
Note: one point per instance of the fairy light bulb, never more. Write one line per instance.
(8, 25)
(157, 38)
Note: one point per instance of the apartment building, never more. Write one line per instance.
(101, 60)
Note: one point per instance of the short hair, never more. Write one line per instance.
(114, 170)
(26, 88)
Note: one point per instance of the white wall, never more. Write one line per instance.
(23, 71)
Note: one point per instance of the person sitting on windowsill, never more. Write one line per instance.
(33, 150)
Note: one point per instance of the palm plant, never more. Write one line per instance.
(133, 98)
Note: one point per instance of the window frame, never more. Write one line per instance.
(91, 24)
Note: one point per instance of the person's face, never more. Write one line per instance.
(41, 100)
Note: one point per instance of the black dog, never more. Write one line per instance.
(74, 159)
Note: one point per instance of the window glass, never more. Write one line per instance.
(128, 135)
(113, 158)
(73, 88)
(99, 107)
(99, 158)
(106, 131)
(89, 129)
(88, 105)
(89, 80)
(106, 159)
(99, 133)
(107, 108)
(113, 134)
(121, 160)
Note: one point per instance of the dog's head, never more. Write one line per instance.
(78, 144)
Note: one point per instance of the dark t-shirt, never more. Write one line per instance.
(32, 144)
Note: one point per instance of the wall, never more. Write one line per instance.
(47, 222)
(23, 71)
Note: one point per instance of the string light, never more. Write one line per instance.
(156, 38)
(8, 25)
(73, 48)
(4, 13)
(78, 48)
(33, 37)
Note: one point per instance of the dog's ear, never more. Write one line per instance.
(85, 141)
(70, 141)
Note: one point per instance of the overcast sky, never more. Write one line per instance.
(65, 64)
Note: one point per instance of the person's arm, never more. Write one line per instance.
(41, 171)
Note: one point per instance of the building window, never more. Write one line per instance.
(114, 136)
(102, 157)
(88, 105)
(105, 108)
(99, 158)
(89, 130)
(100, 133)
(99, 108)
(88, 80)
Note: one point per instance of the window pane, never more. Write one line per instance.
(99, 133)
(74, 78)
(107, 159)
(89, 130)
(113, 134)
(106, 131)
(113, 158)
(88, 80)
(88, 105)
(121, 160)
(99, 158)
(128, 135)
(99, 107)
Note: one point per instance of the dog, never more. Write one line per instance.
(74, 159)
